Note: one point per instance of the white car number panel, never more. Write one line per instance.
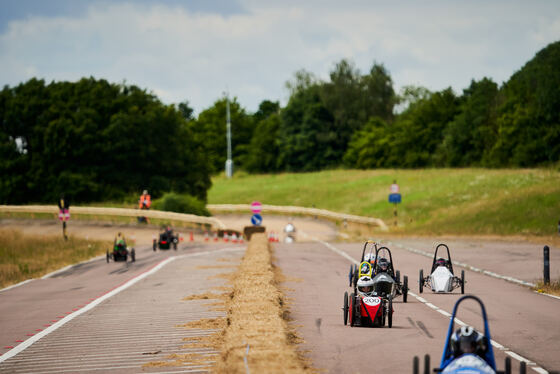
(372, 301)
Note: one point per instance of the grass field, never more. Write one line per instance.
(435, 201)
(28, 256)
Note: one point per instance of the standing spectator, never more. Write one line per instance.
(144, 202)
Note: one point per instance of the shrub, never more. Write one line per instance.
(180, 203)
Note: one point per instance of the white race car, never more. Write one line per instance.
(442, 278)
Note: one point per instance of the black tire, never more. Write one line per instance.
(427, 364)
(390, 312)
(175, 244)
(415, 365)
(107, 256)
(523, 367)
(345, 308)
(421, 281)
(350, 275)
(462, 281)
(355, 279)
(398, 276)
(405, 288)
(133, 255)
(155, 245)
(507, 366)
(351, 310)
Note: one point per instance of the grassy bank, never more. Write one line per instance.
(435, 201)
(27, 256)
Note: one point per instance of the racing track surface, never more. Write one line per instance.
(521, 320)
(125, 331)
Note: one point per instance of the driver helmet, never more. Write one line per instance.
(383, 264)
(369, 257)
(145, 192)
(365, 286)
(441, 262)
(467, 340)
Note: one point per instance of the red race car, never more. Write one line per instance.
(365, 308)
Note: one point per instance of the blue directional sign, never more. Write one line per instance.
(256, 219)
(395, 198)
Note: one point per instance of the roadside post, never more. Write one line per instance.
(395, 198)
(63, 214)
(256, 218)
(546, 253)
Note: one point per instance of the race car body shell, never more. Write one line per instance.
(441, 280)
(370, 307)
(468, 364)
(384, 284)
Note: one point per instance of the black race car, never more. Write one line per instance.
(166, 239)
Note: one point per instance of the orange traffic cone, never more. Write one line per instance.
(191, 237)
(215, 236)
(234, 238)
(205, 236)
(226, 237)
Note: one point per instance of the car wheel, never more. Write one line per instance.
(133, 255)
(390, 312)
(421, 281)
(107, 256)
(523, 367)
(398, 276)
(155, 245)
(175, 244)
(462, 281)
(405, 288)
(351, 308)
(345, 308)
(507, 367)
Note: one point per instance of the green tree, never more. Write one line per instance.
(370, 146)
(94, 141)
(418, 132)
(263, 150)
(307, 136)
(210, 133)
(528, 117)
(471, 135)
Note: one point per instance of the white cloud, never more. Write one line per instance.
(180, 55)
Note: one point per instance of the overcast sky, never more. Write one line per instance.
(195, 50)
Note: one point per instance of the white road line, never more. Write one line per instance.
(195, 368)
(122, 354)
(91, 305)
(499, 346)
(51, 274)
(17, 285)
(467, 266)
(82, 364)
(19, 348)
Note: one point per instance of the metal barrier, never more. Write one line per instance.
(301, 211)
(122, 212)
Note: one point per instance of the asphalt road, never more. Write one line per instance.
(127, 329)
(521, 320)
(122, 332)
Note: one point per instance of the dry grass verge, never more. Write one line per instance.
(24, 256)
(255, 318)
(552, 288)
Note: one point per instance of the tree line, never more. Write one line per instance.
(106, 140)
(94, 141)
